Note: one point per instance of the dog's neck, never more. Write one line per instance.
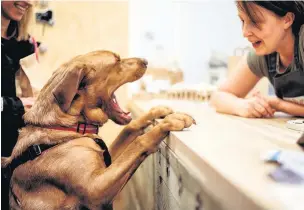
(82, 128)
(45, 115)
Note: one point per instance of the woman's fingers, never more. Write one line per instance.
(268, 111)
(256, 114)
(265, 102)
(260, 109)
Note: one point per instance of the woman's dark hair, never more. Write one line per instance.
(280, 8)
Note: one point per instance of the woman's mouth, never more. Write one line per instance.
(256, 44)
(21, 6)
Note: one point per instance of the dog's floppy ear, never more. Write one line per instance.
(68, 84)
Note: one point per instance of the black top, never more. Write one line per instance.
(11, 116)
(11, 53)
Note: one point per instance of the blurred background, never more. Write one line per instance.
(192, 36)
(184, 34)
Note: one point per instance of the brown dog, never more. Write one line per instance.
(77, 173)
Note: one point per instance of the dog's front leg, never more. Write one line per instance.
(107, 183)
(136, 128)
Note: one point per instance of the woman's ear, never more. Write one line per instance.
(288, 20)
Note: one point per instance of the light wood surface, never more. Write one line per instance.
(224, 154)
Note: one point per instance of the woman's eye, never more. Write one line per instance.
(248, 23)
(242, 21)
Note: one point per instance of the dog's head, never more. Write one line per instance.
(84, 86)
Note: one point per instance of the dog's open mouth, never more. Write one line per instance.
(116, 113)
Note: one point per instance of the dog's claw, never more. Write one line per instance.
(194, 122)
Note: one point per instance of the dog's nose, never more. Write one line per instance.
(144, 61)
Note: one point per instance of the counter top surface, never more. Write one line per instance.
(233, 147)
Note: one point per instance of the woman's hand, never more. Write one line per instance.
(28, 102)
(273, 101)
(283, 106)
(255, 107)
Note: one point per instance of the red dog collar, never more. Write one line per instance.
(82, 128)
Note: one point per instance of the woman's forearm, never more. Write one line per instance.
(224, 102)
(290, 108)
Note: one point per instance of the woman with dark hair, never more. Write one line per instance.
(276, 31)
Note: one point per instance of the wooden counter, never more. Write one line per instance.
(215, 164)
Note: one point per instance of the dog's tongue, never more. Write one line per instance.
(117, 114)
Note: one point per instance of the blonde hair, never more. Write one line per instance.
(23, 24)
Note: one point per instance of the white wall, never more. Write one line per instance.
(184, 33)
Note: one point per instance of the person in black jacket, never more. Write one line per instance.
(15, 45)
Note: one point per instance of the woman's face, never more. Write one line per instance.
(267, 34)
(14, 10)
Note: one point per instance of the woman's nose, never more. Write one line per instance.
(246, 30)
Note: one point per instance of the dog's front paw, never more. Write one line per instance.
(177, 122)
(160, 112)
(173, 122)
